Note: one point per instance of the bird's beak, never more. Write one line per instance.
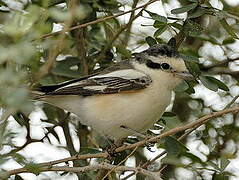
(185, 75)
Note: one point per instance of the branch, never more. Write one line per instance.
(96, 21)
(85, 169)
(192, 125)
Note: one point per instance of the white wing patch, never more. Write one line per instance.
(125, 73)
(95, 88)
(72, 84)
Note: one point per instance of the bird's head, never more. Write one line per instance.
(163, 64)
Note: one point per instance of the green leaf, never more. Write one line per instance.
(173, 146)
(157, 17)
(219, 177)
(192, 28)
(219, 83)
(189, 58)
(158, 24)
(176, 25)
(150, 41)
(224, 163)
(63, 67)
(193, 68)
(228, 28)
(208, 83)
(214, 165)
(122, 50)
(17, 177)
(160, 30)
(184, 9)
(228, 41)
(183, 86)
(169, 121)
(197, 12)
(168, 114)
(33, 168)
(192, 157)
(170, 159)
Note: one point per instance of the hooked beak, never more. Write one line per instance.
(185, 75)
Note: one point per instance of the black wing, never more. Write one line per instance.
(102, 84)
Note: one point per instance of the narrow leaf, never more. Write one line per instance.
(219, 83)
(208, 83)
(150, 41)
(157, 17)
(197, 12)
(176, 25)
(184, 9)
(174, 147)
(160, 31)
(229, 40)
(183, 86)
(224, 163)
(193, 68)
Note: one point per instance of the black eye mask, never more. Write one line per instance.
(153, 65)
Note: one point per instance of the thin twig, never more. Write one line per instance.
(194, 124)
(121, 162)
(96, 21)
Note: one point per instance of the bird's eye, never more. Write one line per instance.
(165, 66)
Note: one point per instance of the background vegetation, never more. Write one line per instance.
(90, 35)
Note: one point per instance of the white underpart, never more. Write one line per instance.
(125, 73)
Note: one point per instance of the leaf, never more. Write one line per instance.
(219, 83)
(173, 146)
(228, 41)
(192, 157)
(150, 41)
(192, 28)
(157, 17)
(158, 24)
(212, 164)
(176, 25)
(193, 68)
(208, 83)
(197, 12)
(184, 9)
(17, 177)
(219, 177)
(169, 121)
(224, 163)
(122, 50)
(183, 86)
(63, 67)
(168, 114)
(228, 28)
(33, 168)
(169, 159)
(160, 30)
(189, 58)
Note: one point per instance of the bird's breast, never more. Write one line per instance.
(137, 110)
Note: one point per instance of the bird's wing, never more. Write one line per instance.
(107, 82)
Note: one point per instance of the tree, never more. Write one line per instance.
(47, 42)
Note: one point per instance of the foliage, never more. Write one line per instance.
(31, 56)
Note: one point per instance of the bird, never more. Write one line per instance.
(128, 97)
